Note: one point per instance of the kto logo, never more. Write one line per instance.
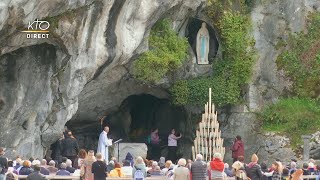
(37, 29)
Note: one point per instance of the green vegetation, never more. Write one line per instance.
(301, 61)
(293, 117)
(231, 72)
(167, 53)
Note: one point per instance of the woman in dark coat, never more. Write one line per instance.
(253, 169)
(237, 148)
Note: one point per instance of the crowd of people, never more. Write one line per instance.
(92, 166)
(70, 160)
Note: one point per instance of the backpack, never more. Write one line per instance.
(138, 175)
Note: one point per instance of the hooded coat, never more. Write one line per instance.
(237, 149)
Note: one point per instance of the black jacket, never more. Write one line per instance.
(70, 169)
(199, 170)
(69, 147)
(25, 171)
(35, 176)
(56, 151)
(3, 164)
(99, 169)
(254, 172)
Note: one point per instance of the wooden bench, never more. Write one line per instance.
(78, 178)
(307, 177)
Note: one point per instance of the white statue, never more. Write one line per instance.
(203, 45)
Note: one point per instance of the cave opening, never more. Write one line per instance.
(191, 33)
(132, 121)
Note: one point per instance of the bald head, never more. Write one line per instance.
(106, 129)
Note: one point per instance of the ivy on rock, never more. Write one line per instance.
(167, 52)
(231, 72)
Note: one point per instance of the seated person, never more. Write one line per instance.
(52, 169)
(116, 172)
(26, 168)
(69, 166)
(127, 168)
(110, 166)
(43, 169)
(227, 170)
(156, 172)
(36, 174)
(63, 171)
(153, 166)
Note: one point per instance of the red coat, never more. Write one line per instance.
(237, 149)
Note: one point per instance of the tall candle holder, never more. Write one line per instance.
(208, 137)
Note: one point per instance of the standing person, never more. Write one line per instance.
(104, 143)
(253, 169)
(155, 144)
(198, 168)
(99, 168)
(172, 145)
(81, 156)
(276, 175)
(70, 147)
(56, 150)
(86, 168)
(3, 164)
(237, 148)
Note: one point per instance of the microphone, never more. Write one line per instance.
(117, 141)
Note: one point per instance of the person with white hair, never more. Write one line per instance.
(63, 171)
(199, 168)
(43, 169)
(69, 166)
(227, 170)
(153, 170)
(181, 172)
(52, 169)
(217, 167)
(293, 167)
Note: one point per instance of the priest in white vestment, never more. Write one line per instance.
(104, 143)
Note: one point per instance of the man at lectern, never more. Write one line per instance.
(104, 143)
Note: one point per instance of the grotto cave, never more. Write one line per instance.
(132, 121)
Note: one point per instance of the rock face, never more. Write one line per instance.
(89, 47)
(272, 22)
